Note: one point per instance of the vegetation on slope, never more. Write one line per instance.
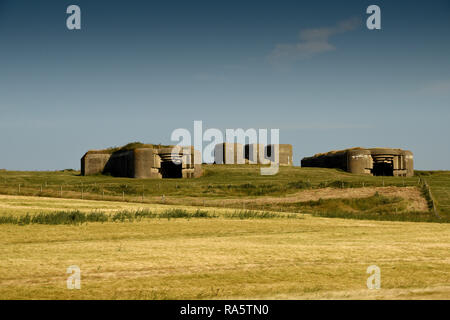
(219, 183)
(77, 217)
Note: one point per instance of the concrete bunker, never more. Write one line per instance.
(171, 170)
(374, 161)
(137, 160)
(236, 153)
(171, 164)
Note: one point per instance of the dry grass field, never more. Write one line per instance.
(278, 258)
(231, 234)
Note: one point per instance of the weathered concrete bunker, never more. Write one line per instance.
(375, 161)
(143, 161)
(236, 153)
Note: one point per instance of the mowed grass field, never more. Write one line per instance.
(277, 258)
(290, 253)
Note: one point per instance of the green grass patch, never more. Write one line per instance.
(376, 207)
(384, 216)
(53, 218)
(252, 214)
(375, 203)
(218, 181)
(77, 218)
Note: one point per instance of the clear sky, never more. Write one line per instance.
(137, 70)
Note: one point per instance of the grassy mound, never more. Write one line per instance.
(128, 147)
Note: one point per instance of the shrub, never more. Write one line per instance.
(299, 185)
(54, 218)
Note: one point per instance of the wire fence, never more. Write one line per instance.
(135, 192)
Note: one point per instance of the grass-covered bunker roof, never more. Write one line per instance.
(128, 147)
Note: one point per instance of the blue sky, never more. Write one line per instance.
(137, 70)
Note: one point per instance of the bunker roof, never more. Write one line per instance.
(128, 147)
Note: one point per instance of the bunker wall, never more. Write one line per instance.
(335, 160)
(359, 161)
(121, 164)
(409, 163)
(93, 163)
(229, 153)
(285, 153)
(145, 159)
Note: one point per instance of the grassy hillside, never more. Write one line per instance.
(220, 186)
(217, 181)
(439, 182)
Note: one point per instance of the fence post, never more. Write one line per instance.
(123, 195)
(19, 188)
(60, 192)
